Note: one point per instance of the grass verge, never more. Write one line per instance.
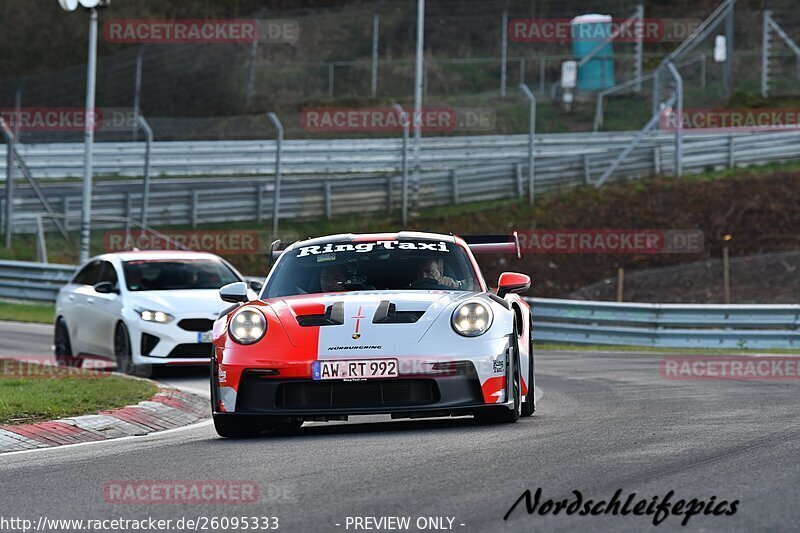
(41, 313)
(30, 392)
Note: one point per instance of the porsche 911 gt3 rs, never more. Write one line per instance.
(401, 324)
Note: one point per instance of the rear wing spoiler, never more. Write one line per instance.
(494, 244)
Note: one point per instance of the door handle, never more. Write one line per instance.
(90, 300)
(71, 297)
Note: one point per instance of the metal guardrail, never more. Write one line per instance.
(559, 321)
(307, 157)
(560, 164)
(26, 280)
(701, 326)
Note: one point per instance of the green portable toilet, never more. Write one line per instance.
(588, 31)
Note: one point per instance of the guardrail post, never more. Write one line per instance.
(194, 207)
(656, 160)
(9, 137)
(389, 199)
(731, 151)
(518, 175)
(587, 170)
(259, 202)
(327, 195)
(531, 139)
(128, 205)
(454, 186)
(276, 199)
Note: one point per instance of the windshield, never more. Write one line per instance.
(157, 275)
(381, 265)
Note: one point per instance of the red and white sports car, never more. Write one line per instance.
(401, 324)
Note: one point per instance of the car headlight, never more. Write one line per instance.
(247, 326)
(154, 316)
(472, 319)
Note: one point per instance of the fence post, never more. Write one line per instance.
(531, 139)
(454, 186)
(330, 80)
(148, 140)
(404, 121)
(522, 70)
(679, 130)
(137, 87)
(66, 213)
(41, 246)
(504, 50)
(639, 49)
(376, 24)
(541, 75)
(9, 137)
(327, 194)
(276, 199)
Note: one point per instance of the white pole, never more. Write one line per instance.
(418, 96)
(88, 139)
(376, 23)
(504, 51)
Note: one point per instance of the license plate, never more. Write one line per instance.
(205, 336)
(356, 369)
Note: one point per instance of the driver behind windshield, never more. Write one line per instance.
(433, 269)
(332, 279)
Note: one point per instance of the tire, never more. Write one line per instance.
(529, 407)
(123, 354)
(504, 415)
(63, 346)
(244, 428)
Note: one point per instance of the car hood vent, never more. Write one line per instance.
(333, 316)
(387, 313)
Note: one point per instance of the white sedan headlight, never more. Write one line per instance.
(472, 319)
(247, 326)
(154, 316)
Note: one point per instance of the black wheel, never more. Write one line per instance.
(123, 354)
(244, 428)
(504, 415)
(63, 348)
(529, 407)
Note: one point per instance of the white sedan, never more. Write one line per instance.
(142, 308)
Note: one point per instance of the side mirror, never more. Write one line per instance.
(105, 287)
(512, 282)
(255, 285)
(234, 292)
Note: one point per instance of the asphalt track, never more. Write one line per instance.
(607, 421)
